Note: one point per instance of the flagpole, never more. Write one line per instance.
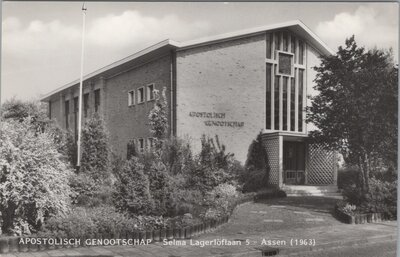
(78, 163)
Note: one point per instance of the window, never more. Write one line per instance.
(292, 102)
(268, 96)
(131, 98)
(301, 84)
(284, 104)
(50, 110)
(140, 95)
(76, 104)
(66, 114)
(276, 92)
(269, 45)
(96, 100)
(141, 145)
(285, 64)
(150, 92)
(150, 142)
(85, 104)
(301, 52)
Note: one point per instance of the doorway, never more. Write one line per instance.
(294, 163)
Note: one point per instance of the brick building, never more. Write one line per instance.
(233, 85)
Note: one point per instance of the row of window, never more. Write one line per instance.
(285, 42)
(85, 106)
(142, 94)
(140, 144)
(281, 94)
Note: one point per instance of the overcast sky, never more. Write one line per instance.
(41, 41)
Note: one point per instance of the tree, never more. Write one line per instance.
(356, 109)
(133, 189)
(158, 118)
(96, 153)
(33, 177)
(20, 110)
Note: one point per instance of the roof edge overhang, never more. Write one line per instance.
(170, 44)
(295, 26)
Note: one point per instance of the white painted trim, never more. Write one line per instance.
(147, 91)
(131, 97)
(277, 60)
(138, 95)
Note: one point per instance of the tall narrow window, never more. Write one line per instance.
(285, 42)
(96, 100)
(131, 98)
(141, 145)
(150, 92)
(284, 100)
(140, 95)
(293, 48)
(292, 101)
(85, 104)
(76, 104)
(269, 45)
(276, 92)
(301, 52)
(268, 85)
(277, 42)
(66, 103)
(50, 110)
(301, 85)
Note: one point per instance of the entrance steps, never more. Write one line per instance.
(330, 191)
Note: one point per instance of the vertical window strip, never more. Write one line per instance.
(301, 52)
(280, 102)
(276, 100)
(277, 42)
(292, 103)
(268, 45)
(284, 103)
(285, 41)
(268, 70)
(293, 47)
(301, 85)
(296, 102)
(96, 100)
(66, 114)
(273, 97)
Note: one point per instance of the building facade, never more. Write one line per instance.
(233, 85)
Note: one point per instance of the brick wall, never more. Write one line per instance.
(227, 78)
(127, 122)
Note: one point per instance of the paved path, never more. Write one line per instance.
(277, 220)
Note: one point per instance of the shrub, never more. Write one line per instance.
(96, 153)
(348, 177)
(160, 186)
(382, 197)
(254, 180)
(75, 224)
(133, 189)
(220, 200)
(255, 175)
(33, 176)
(213, 154)
(177, 156)
(184, 201)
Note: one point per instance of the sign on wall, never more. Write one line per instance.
(216, 119)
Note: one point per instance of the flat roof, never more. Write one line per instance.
(295, 26)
